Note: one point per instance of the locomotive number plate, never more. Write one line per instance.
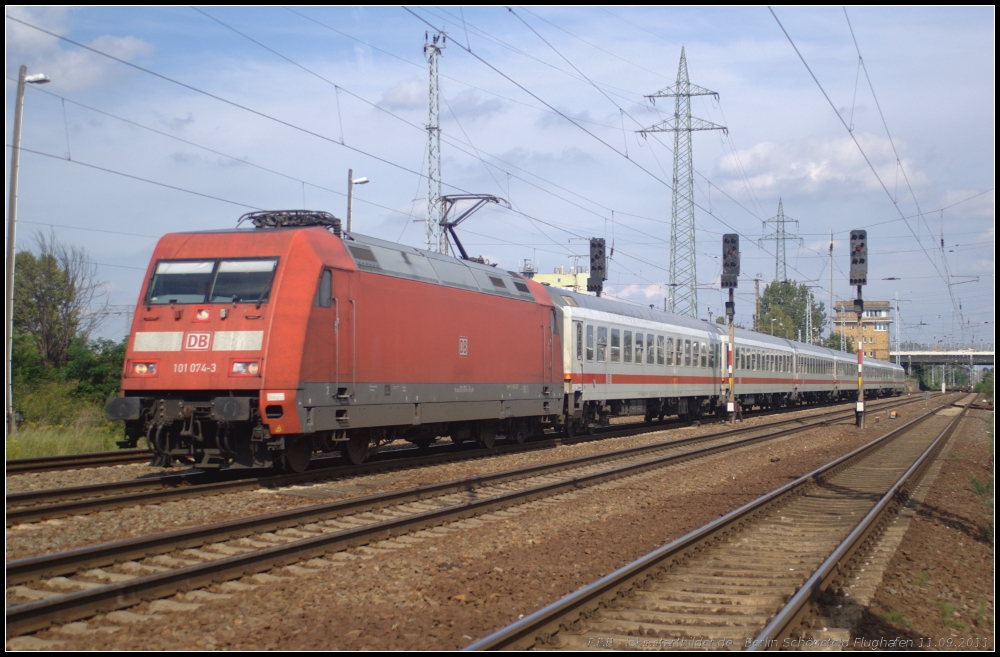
(463, 347)
(194, 367)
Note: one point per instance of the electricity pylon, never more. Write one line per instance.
(780, 236)
(683, 270)
(437, 239)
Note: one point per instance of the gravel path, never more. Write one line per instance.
(443, 588)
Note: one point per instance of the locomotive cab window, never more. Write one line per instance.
(212, 281)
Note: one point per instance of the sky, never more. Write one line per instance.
(232, 110)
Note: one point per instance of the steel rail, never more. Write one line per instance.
(73, 461)
(542, 625)
(36, 615)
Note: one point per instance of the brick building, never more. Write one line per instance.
(873, 336)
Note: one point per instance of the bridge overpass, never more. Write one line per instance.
(909, 353)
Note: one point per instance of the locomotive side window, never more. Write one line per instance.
(628, 346)
(616, 345)
(324, 295)
(659, 350)
(590, 342)
(602, 344)
(649, 350)
(639, 342)
(579, 340)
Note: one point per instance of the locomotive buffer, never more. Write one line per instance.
(730, 278)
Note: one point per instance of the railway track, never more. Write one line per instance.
(77, 461)
(750, 578)
(46, 504)
(71, 585)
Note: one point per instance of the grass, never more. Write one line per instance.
(947, 609)
(981, 488)
(953, 455)
(896, 618)
(981, 618)
(922, 580)
(29, 441)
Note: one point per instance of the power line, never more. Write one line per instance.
(862, 151)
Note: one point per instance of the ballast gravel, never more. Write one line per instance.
(445, 587)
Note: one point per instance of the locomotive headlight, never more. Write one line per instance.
(144, 368)
(245, 368)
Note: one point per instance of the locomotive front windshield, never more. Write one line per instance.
(212, 281)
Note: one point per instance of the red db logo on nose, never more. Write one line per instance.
(198, 341)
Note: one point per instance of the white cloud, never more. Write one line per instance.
(74, 69)
(407, 94)
(816, 165)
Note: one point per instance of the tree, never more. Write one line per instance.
(833, 342)
(57, 298)
(790, 300)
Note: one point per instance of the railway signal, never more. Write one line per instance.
(730, 260)
(859, 277)
(598, 266)
(859, 257)
(730, 278)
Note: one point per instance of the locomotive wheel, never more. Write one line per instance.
(297, 456)
(356, 449)
(487, 434)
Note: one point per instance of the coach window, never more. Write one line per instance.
(602, 344)
(712, 355)
(649, 349)
(704, 354)
(680, 352)
(694, 353)
(687, 353)
(660, 360)
(590, 342)
(616, 345)
(324, 295)
(628, 346)
(579, 340)
(670, 350)
(639, 342)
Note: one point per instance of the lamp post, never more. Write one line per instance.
(22, 79)
(772, 326)
(351, 182)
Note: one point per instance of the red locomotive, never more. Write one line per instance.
(252, 348)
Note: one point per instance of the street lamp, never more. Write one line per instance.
(22, 79)
(351, 182)
(772, 326)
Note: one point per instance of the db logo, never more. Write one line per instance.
(463, 346)
(198, 341)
